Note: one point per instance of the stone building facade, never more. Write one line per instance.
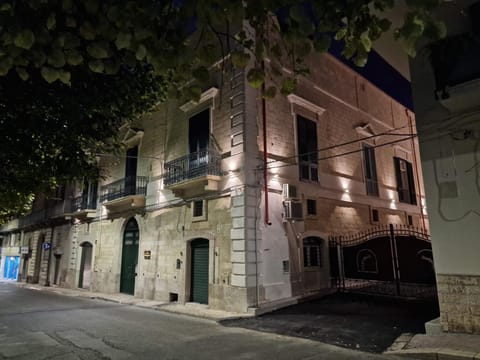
(202, 209)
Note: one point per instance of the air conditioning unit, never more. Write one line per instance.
(289, 191)
(293, 210)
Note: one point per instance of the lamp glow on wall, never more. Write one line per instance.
(345, 185)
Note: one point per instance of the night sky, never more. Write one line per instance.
(381, 74)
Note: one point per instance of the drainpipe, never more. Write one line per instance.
(264, 121)
(410, 124)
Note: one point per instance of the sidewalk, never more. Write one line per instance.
(191, 309)
(437, 347)
(413, 346)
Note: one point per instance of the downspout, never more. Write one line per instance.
(410, 124)
(264, 122)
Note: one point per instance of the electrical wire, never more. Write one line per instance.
(407, 137)
(389, 132)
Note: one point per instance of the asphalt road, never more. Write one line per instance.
(45, 325)
(365, 323)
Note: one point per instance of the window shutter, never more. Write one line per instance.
(411, 184)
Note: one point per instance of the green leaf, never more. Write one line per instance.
(98, 50)
(20, 61)
(5, 66)
(111, 67)
(64, 77)
(51, 21)
(240, 59)
(141, 52)
(201, 74)
(303, 48)
(87, 31)
(340, 34)
(270, 92)
(123, 40)
(96, 66)
(256, 77)
(73, 57)
(360, 60)
(70, 22)
(142, 33)
(113, 13)
(67, 5)
(91, 6)
(71, 41)
(322, 43)
(22, 73)
(38, 58)
(56, 58)
(24, 39)
(348, 50)
(297, 13)
(50, 74)
(385, 24)
(194, 92)
(366, 42)
(5, 7)
(288, 86)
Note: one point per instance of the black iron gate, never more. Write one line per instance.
(390, 260)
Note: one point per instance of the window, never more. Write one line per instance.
(199, 210)
(312, 252)
(375, 217)
(410, 220)
(405, 181)
(307, 149)
(370, 166)
(89, 195)
(311, 207)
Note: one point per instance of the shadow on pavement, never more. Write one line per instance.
(352, 321)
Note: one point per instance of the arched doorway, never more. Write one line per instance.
(199, 271)
(128, 272)
(85, 266)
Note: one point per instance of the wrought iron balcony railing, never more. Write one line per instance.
(49, 212)
(130, 185)
(192, 166)
(84, 202)
(32, 218)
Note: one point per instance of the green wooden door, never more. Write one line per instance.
(129, 257)
(199, 281)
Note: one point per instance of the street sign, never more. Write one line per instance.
(46, 246)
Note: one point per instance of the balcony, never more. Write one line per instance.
(53, 213)
(456, 65)
(124, 194)
(84, 206)
(194, 173)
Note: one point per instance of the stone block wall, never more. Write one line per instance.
(459, 300)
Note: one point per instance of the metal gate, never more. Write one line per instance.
(390, 260)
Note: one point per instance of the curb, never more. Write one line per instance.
(435, 354)
(133, 302)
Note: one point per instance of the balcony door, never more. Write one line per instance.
(198, 140)
(131, 170)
